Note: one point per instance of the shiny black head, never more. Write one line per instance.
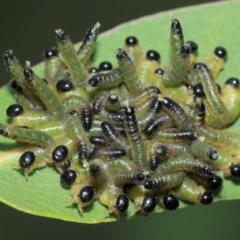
(131, 41)
(193, 46)
(215, 182)
(170, 202)
(27, 159)
(59, 153)
(221, 52)
(68, 177)
(206, 198)
(86, 194)
(122, 203)
(64, 85)
(105, 66)
(233, 82)
(148, 204)
(153, 55)
(14, 110)
(235, 170)
(51, 52)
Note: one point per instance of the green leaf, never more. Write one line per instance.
(209, 25)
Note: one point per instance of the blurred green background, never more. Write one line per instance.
(28, 29)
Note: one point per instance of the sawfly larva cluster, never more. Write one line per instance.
(140, 132)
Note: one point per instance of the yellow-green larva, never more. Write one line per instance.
(138, 132)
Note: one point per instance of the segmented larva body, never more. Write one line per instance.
(134, 133)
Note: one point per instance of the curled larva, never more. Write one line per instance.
(139, 132)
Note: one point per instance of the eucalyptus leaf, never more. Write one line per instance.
(209, 25)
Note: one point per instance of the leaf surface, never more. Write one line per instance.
(209, 25)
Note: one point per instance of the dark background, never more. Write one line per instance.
(28, 28)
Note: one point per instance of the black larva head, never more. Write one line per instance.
(221, 52)
(215, 182)
(59, 153)
(206, 198)
(93, 70)
(153, 164)
(68, 177)
(176, 26)
(170, 202)
(140, 176)
(159, 71)
(86, 194)
(94, 170)
(122, 203)
(213, 154)
(198, 90)
(14, 110)
(153, 55)
(27, 159)
(51, 52)
(64, 85)
(105, 66)
(235, 170)
(16, 86)
(193, 46)
(148, 184)
(131, 41)
(148, 204)
(233, 81)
